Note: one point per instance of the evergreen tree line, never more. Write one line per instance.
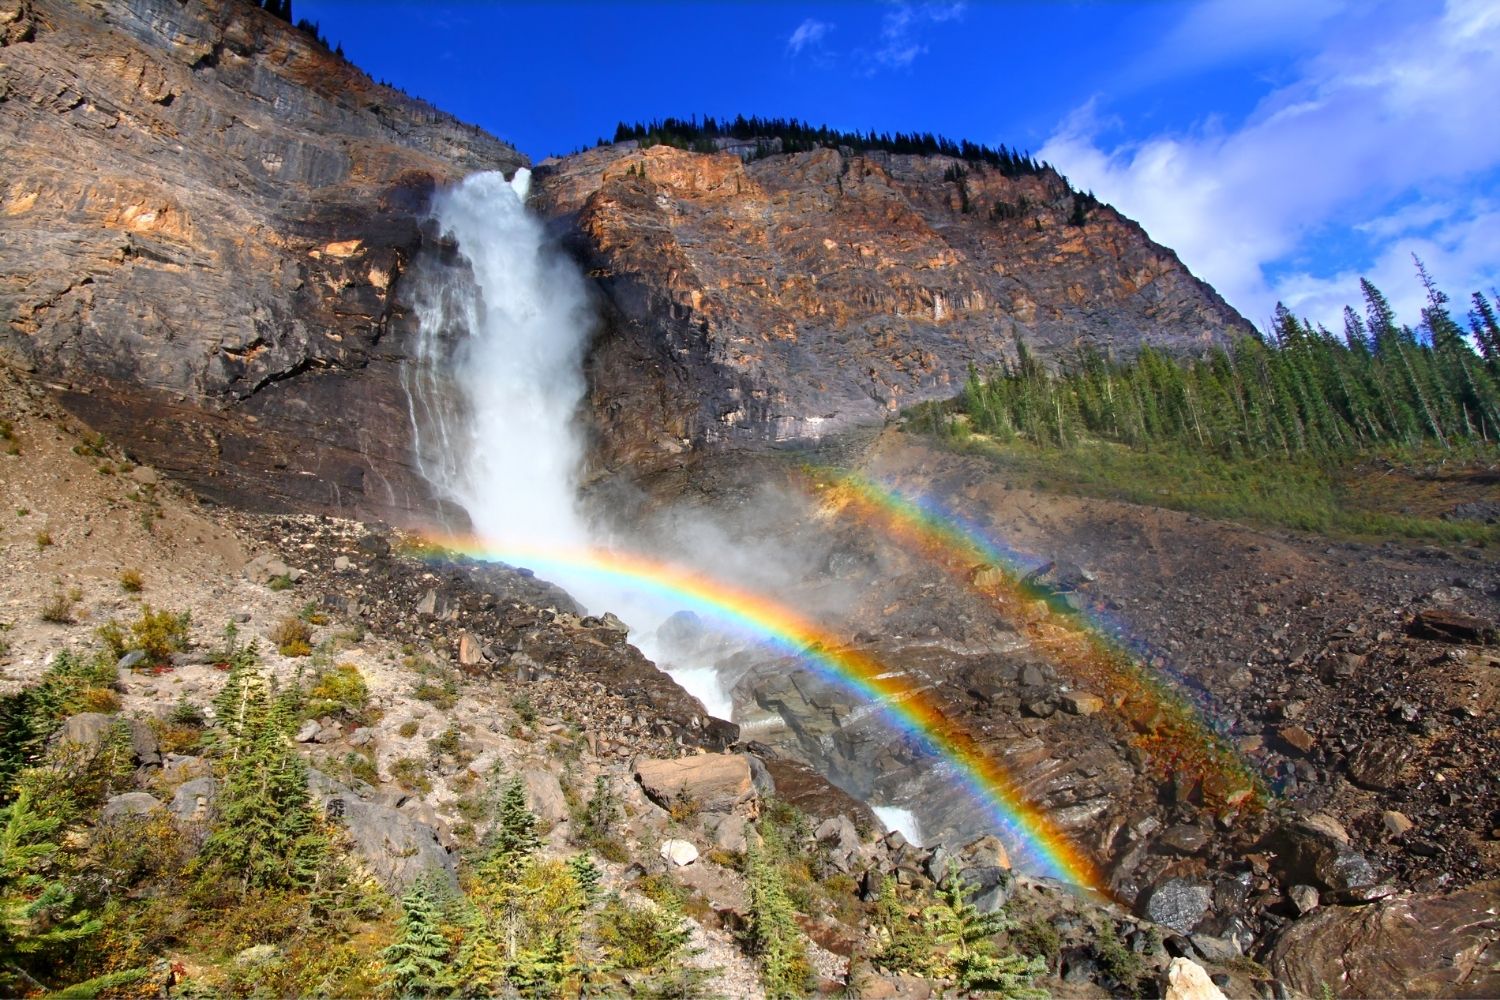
(1303, 389)
(798, 136)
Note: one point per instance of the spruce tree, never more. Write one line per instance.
(514, 839)
(264, 831)
(970, 956)
(417, 959)
(773, 934)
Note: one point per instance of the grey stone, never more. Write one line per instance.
(343, 564)
(131, 659)
(130, 804)
(989, 886)
(1178, 903)
(194, 800)
(308, 732)
(544, 796)
(1304, 898)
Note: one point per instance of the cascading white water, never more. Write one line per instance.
(506, 446)
(511, 459)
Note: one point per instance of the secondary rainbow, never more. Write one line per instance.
(1037, 837)
(1166, 723)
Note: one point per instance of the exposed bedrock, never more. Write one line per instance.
(203, 223)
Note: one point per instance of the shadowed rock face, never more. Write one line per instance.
(203, 221)
(795, 296)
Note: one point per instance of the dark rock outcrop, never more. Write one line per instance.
(1409, 945)
(203, 222)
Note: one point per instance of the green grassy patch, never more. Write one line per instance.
(1390, 494)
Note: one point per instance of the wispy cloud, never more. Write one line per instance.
(1390, 109)
(902, 32)
(809, 32)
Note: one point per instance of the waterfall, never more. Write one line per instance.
(496, 387)
(511, 341)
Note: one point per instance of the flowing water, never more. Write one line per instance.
(496, 391)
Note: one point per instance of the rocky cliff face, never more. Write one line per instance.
(797, 295)
(203, 220)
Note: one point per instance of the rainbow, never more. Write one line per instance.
(1037, 837)
(1164, 722)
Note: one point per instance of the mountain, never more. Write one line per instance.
(222, 287)
(800, 294)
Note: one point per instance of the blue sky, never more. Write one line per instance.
(1281, 147)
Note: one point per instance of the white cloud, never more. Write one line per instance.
(1388, 107)
(809, 32)
(901, 32)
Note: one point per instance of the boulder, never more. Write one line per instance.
(731, 832)
(1404, 945)
(1315, 851)
(678, 853)
(713, 782)
(989, 886)
(1178, 903)
(470, 651)
(544, 796)
(1081, 703)
(398, 849)
(194, 799)
(130, 804)
(838, 835)
(88, 729)
(986, 851)
(1187, 980)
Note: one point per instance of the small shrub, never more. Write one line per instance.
(131, 581)
(408, 729)
(185, 713)
(684, 807)
(448, 743)
(410, 774)
(58, 609)
(292, 636)
(158, 634)
(43, 538)
(280, 583)
(1039, 939)
(524, 709)
(443, 695)
(22, 511)
(339, 690)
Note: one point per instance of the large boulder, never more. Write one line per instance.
(89, 729)
(715, 782)
(396, 847)
(1178, 903)
(130, 804)
(1405, 945)
(544, 796)
(1316, 851)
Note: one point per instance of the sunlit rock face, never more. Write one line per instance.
(793, 296)
(205, 217)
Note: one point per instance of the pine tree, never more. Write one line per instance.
(264, 830)
(38, 914)
(514, 839)
(971, 958)
(586, 874)
(417, 959)
(773, 935)
(480, 967)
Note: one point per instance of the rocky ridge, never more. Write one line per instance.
(797, 295)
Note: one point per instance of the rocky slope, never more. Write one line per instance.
(796, 295)
(203, 216)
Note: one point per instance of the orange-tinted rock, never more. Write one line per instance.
(800, 294)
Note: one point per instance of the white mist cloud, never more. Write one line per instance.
(809, 32)
(1389, 106)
